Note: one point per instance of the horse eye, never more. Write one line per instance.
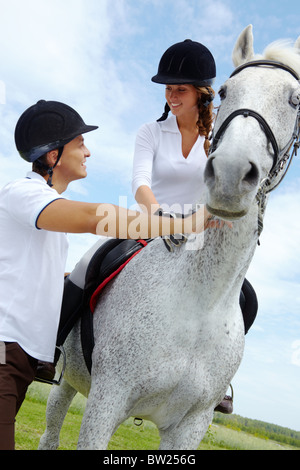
(222, 92)
(295, 99)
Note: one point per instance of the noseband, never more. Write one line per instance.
(281, 157)
(246, 113)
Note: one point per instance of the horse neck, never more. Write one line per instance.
(225, 256)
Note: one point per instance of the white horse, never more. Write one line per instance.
(169, 334)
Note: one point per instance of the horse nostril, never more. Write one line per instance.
(209, 172)
(252, 175)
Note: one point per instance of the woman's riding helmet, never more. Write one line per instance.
(186, 62)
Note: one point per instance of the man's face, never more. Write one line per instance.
(73, 161)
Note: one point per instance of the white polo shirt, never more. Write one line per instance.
(176, 182)
(32, 264)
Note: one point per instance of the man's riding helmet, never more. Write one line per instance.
(186, 62)
(46, 126)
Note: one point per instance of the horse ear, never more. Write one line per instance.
(243, 50)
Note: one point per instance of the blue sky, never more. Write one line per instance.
(99, 57)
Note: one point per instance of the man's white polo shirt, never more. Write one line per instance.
(32, 264)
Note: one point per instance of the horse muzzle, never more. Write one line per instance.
(232, 185)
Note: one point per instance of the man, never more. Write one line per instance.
(34, 220)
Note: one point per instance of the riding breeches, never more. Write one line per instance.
(78, 274)
(15, 376)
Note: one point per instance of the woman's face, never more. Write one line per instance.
(182, 99)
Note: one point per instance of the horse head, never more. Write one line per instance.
(256, 126)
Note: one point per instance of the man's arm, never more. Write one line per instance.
(109, 220)
(67, 216)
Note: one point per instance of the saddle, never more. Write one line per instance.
(106, 263)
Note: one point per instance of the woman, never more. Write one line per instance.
(171, 154)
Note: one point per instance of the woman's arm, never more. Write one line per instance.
(144, 151)
(146, 199)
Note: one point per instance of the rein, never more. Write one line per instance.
(281, 157)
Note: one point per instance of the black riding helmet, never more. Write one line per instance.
(46, 126)
(187, 62)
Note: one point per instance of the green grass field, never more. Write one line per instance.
(31, 423)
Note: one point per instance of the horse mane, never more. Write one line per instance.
(282, 51)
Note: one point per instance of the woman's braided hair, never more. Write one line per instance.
(206, 114)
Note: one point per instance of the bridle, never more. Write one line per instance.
(281, 156)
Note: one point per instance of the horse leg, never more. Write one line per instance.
(188, 434)
(105, 411)
(58, 404)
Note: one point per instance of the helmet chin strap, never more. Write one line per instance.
(50, 170)
(50, 173)
(210, 99)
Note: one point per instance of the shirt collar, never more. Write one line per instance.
(35, 176)
(170, 125)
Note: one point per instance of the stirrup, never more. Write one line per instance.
(231, 387)
(55, 382)
(226, 405)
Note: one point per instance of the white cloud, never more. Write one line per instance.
(61, 50)
(295, 359)
(275, 269)
(2, 92)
